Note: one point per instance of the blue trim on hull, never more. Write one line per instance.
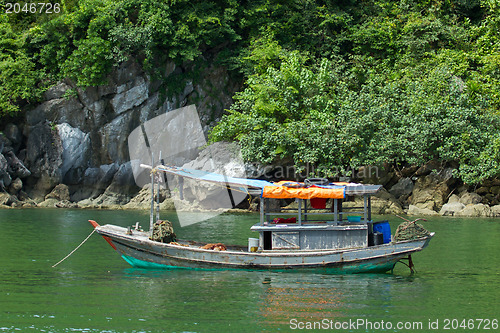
(350, 269)
(144, 264)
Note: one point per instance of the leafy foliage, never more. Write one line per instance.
(18, 77)
(332, 84)
(310, 112)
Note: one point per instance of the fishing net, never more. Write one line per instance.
(410, 231)
(163, 232)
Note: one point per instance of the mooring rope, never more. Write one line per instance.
(86, 239)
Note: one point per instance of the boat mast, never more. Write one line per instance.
(151, 221)
(158, 192)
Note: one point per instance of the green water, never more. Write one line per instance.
(458, 277)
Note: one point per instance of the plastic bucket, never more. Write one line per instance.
(253, 244)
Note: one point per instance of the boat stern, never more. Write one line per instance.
(431, 235)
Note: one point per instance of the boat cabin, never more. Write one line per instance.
(320, 223)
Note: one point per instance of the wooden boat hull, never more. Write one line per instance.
(139, 251)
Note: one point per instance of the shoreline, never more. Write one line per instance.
(466, 205)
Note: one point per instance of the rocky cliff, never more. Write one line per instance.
(78, 137)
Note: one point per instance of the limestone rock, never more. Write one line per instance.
(483, 190)
(16, 167)
(495, 211)
(113, 137)
(130, 95)
(475, 210)
(76, 153)
(123, 181)
(409, 171)
(5, 144)
(376, 175)
(403, 187)
(95, 182)
(382, 203)
(6, 199)
(14, 134)
(49, 203)
(61, 110)
(69, 137)
(470, 198)
(15, 186)
(60, 192)
(5, 178)
(222, 158)
(495, 189)
(431, 191)
(385, 203)
(57, 91)
(167, 204)
(414, 210)
(66, 204)
(44, 158)
(142, 200)
(454, 198)
(427, 168)
(118, 193)
(451, 208)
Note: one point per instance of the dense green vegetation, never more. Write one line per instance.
(328, 84)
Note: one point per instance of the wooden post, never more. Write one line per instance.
(151, 214)
(335, 208)
(262, 210)
(369, 208)
(300, 211)
(365, 207)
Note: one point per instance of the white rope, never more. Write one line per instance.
(86, 239)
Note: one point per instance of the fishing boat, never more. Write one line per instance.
(318, 231)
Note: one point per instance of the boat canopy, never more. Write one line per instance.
(278, 190)
(287, 190)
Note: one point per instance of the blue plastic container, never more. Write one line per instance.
(385, 229)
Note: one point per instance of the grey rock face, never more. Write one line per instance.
(75, 155)
(130, 95)
(44, 157)
(16, 167)
(123, 181)
(57, 91)
(60, 111)
(14, 134)
(403, 187)
(79, 137)
(5, 178)
(113, 136)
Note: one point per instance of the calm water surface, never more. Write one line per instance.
(458, 277)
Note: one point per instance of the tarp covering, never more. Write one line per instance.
(215, 177)
(283, 192)
(279, 190)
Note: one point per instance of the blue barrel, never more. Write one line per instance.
(384, 228)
